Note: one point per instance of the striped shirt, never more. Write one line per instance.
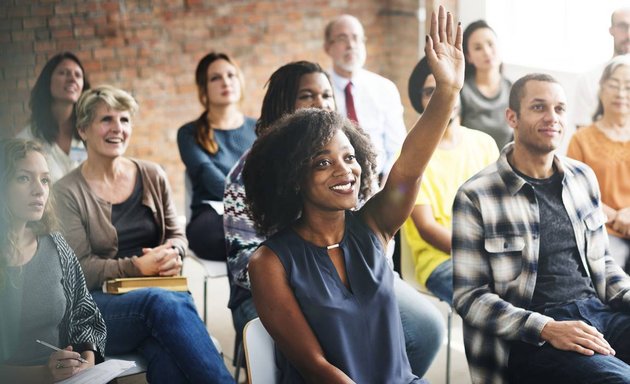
(496, 241)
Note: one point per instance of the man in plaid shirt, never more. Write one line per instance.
(541, 298)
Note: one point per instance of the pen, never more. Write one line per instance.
(59, 349)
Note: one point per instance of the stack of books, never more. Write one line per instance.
(127, 284)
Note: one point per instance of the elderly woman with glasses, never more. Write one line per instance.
(118, 216)
(605, 147)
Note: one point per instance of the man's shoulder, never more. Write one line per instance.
(576, 168)
(372, 78)
(483, 180)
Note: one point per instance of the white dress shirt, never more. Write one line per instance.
(586, 96)
(379, 111)
(59, 162)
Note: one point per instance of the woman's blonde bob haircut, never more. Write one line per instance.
(113, 97)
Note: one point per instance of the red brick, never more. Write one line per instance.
(67, 45)
(42, 10)
(106, 31)
(82, 32)
(42, 34)
(33, 22)
(111, 65)
(89, 44)
(110, 6)
(18, 11)
(62, 32)
(64, 9)
(92, 66)
(27, 35)
(59, 21)
(103, 53)
(44, 46)
(87, 7)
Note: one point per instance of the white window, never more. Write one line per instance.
(555, 35)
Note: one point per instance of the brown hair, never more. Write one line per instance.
(204, 130)
(13, 151)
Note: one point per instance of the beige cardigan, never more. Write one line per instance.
(86, 221)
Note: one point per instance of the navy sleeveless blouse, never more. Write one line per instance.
(359, 329)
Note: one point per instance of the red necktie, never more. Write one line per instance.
(352, 113)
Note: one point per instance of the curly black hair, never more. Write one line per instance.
(277, 165)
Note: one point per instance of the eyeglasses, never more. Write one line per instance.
(614, 86)
(427, 91)
(345, 39)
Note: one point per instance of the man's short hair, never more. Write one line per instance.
(615, 12)
(331, 25)
(518, 88)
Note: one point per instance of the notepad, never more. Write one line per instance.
(101, 373)
(128, 284)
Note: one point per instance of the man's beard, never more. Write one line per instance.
(356, 64)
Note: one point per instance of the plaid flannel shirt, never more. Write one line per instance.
(496, 234)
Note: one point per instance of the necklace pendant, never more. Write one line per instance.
(332, 246)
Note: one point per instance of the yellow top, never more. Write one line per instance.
(447, 170)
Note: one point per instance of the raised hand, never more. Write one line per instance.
(444, 51)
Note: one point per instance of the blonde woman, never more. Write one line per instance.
(119, 218)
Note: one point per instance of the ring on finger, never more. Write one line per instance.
(59, 365)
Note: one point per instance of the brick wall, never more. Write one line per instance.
(151, 48)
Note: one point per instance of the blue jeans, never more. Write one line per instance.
(440, 282)
(546, 364)
(241, 315)
(165, 327)
(422, 324)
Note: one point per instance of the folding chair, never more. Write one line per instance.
(259, 354)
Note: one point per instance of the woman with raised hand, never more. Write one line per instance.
(42, 290)
(323, 275)
(210, 146)
(485, 93)
(119, 217)
(53, 117)
(605, 147)
(294, 86)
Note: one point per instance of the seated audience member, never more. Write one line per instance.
(118, 216)
(461, 153)
(484, 96)
(587, 88)
(605, 147)
(323, 274)
(541, 298)
(294, 86)
(365, 97)
(53, 118)
(42, 290)
(210, 146)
